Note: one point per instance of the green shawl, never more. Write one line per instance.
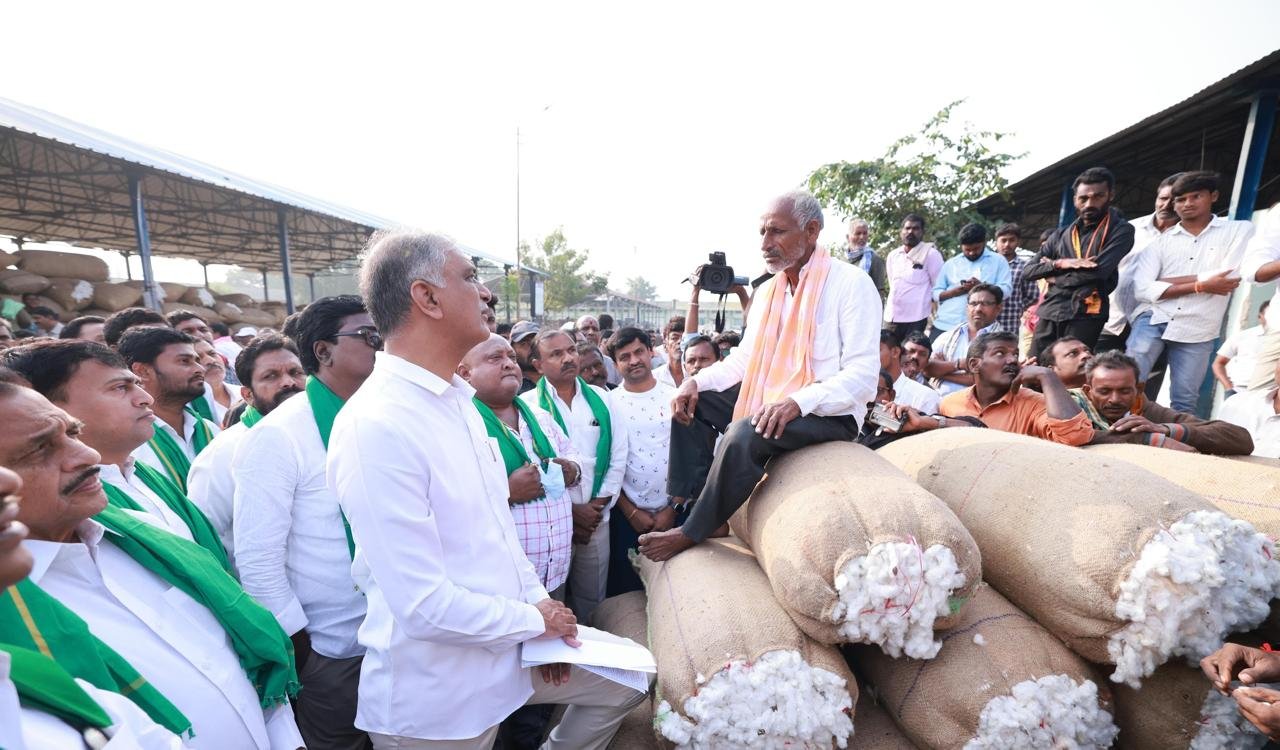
(250, 416)
(202, 531)
(30, 619)
(176, 463)
(325, 405)
(513, 452)
(265, 652)
(46, 687)
(604, 445)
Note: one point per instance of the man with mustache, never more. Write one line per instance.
(208, 659)
(590, 366)
(271, 368)
(946, 367)
(805, 372)
(1121, 414)
(913, 268)
(1080, 262)
(93, 385)
(166, 364)
(589, 327)
(1067, 357)
(220, 396)
(584, 412)
(999, 400)
(292, 546)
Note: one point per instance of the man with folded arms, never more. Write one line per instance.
(1120, 413)
(215, 664)
(451, 594)
(166, 363)
(93, 385)
(291, 541)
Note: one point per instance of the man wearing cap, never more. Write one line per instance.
(244, 335)
(522, 334)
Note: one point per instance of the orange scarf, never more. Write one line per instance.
(780, 362)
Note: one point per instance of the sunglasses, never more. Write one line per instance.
(370, 336)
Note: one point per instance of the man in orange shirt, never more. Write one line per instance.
(997, 398)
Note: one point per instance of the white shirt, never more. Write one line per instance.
(1264, 248)
(228, 348)
(1124, 305)
(1256, 412)
(646, 417)
(128, 482)
(450, 592)
(172, 640)
(220, 411)
(1191, 318)
(664, 376)
(29, 729)
(846, 346)
(1241, 349)
(584, 431)
(918, 396)
(211, 485)
(291, 544)
(185, 441)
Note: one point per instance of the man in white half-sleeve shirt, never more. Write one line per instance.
(270, 372)
(583, 412)
(807, 369)
(128, 580)
(1261, 266)
(451, 595)
(291, 541)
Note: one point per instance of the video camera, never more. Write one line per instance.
(717, 275)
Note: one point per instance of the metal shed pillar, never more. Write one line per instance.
(282, 229)
(150, 292)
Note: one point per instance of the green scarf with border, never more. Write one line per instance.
(202, 408)
(264, 650)
(172, 456)
(250, 416)
(46, 687)
(202, 531)
(513, 453)
(325, 405)
(604, 445)
(32, 620)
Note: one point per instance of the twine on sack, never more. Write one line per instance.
(889, 606)
(915, 680)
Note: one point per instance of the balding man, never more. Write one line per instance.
(451, 594)
(862, 255)
(807, 368)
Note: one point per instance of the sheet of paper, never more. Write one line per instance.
(599, 649)
(638, 681)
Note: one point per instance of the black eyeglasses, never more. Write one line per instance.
(370, 336)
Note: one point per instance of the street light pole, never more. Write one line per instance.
(519, 281)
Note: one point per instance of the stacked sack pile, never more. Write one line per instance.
(985, 590)
(72, 284)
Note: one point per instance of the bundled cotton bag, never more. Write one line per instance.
(624, 615)
(875, 728)
(856, 551)
(115, 296)
(71, 294)
(1177, 707)
(734, 670)
(1125, 567)
(66, 265)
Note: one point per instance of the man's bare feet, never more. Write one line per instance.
(664, 545)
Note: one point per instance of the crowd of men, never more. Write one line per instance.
(339, 534)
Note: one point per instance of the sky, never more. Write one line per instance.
(653, 133)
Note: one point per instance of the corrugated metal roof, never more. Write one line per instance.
(63, 180)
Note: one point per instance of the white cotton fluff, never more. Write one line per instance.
(1054, 711)
(778, 701)
(1222, 727)
(892, 595)
(1205, 576)
(82, 291)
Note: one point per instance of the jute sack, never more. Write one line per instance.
(874, 728)
(198, 295)
(826, 505)
(49, 302)
(173, 292)
(713, 621)
(16, 281)
(210, 316)
(995, 646)
(1176, 706)
(72, 294)
(1249, 491)
(1059, 528)
(1259, 460)
(67, 265)
(115, 297)
(228, 312)
(259, 318)
(237, 299)
(625, 615)
(8, 259)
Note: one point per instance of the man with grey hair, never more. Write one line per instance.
(807, 368)
(589, 327)
(451, 594)
(860, 254)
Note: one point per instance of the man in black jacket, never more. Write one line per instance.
(1080, 262)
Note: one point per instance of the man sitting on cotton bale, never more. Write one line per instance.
(1067, 357)
(1120, 413)
(807, 367)
(999, 400)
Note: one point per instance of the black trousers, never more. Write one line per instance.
(738, 463)
(902, 329)
(1048, 331)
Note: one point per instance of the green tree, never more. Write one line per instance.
(640, 288)
(936, 173)
(567, 281)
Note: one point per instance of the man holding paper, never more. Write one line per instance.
(451, 595)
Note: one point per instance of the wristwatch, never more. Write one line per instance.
(942, 421)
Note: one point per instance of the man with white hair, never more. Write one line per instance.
(807, 368)
(451, 594)
(862, 255)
